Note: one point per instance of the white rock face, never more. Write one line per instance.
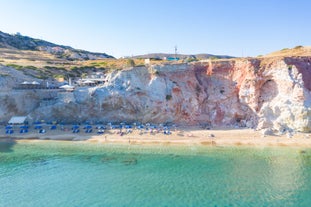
(266, 93)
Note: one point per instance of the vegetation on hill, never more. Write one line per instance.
(20, 42)
(289, 52)
(42, 59)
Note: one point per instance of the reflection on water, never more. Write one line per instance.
(34, 174)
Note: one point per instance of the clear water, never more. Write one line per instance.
(79, 174)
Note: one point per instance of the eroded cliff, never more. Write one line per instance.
(258, 93)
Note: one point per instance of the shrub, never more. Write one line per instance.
(58, 76)
(31, 67)
(290, 67)
(17, 67)
(168, 97)
(130, 63)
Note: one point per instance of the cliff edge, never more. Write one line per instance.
(260, 93)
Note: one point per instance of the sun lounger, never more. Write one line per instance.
(38, 127)
(167, 132)
(100, 131)
(9, 131)
(22, 131)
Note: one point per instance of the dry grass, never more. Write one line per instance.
(41, 59)
(120, 63)
(38, 59)
(289, 52)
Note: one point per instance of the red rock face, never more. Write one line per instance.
(260, 93)
(303, 65)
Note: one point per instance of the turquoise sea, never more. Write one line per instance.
(79, 174)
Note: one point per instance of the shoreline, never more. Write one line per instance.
(186, 136)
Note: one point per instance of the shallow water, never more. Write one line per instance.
(90, 174)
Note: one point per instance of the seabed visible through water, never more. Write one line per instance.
(53, 173)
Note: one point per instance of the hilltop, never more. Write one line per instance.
(270, 92)
(17, 43)
(291, 52)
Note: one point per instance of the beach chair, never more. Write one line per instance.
(38, 127)
(8, 127)
(167, 132)
(100, 131)
(9, 131)
(100, 127)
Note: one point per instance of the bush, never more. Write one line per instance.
(168, 97)
(17, 67)
(58, 76)
(298, 47)
(31, 67)
(130, 63)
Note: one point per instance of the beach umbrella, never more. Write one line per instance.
(38, 127)
(23, 127)
(9, 131)
(8, 127)
(100, 127)
(35, 83)
(88, 127)
(75, 127)
(67, 87)
(37, 122)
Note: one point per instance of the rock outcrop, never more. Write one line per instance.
(261, 93)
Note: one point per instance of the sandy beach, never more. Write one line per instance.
(185, 136)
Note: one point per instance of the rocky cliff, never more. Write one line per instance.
(254, 92)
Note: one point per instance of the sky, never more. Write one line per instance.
(136, 27)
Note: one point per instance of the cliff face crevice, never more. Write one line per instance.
(259, 93)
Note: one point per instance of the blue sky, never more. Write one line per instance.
(132, 27)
